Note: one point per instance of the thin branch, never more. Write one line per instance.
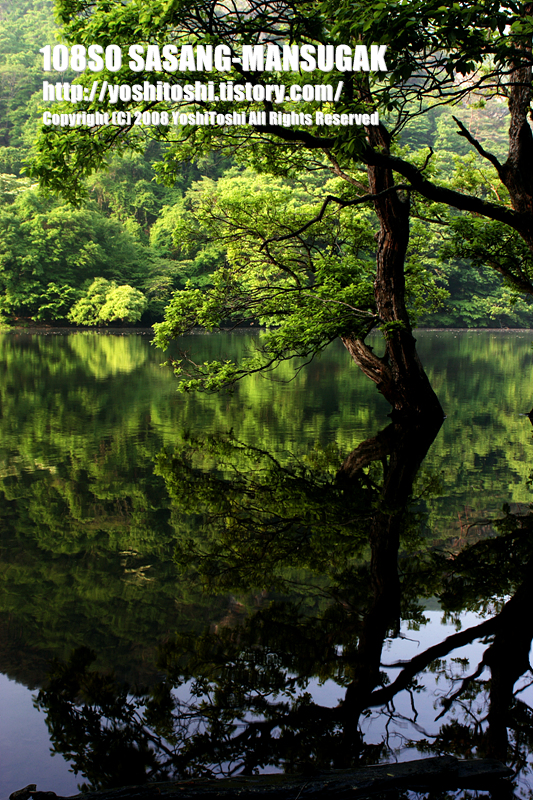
(340, 172)
(426, 162)
(343, 204)
(463, 131)
(419, 662)
(448, 701)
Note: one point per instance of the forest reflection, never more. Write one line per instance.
(232, 588)
(336, 568)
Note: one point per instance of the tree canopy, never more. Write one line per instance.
(437, 57)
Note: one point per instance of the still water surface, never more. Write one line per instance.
(232, 561)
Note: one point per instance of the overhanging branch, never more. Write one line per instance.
(342, 203)
(450, 197)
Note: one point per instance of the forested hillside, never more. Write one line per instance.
(111, 260)
(118, 257)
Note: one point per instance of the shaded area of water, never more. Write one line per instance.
(251, 567)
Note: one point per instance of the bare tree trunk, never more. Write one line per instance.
(398, 374)
(517, 172)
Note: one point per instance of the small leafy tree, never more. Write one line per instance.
(123, 304)
(106, 302)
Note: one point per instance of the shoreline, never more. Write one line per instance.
(148, 331)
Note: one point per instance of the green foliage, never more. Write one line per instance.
(256, 523)
(309, 288)
(306, 283)
(48, 252)
(493, 244)
(105, 302)
(127, 189)
(466, 254)
(195, 256)
(55, 302)
(180, 253)
(25, 25)
(123, 304)
(106, 239)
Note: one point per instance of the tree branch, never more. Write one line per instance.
(441, 194)
(340, 172)
(332, 199)
(463, 131)
(419, 662)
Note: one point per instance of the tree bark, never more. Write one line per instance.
(399, 374)
(516, 173)
(508, 659)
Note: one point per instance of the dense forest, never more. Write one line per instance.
(118, 257)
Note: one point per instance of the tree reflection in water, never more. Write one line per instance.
(341, 558)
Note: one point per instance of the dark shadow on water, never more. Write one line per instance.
(338, 564)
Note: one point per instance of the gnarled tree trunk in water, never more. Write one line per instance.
(398, 374)
(516, 173)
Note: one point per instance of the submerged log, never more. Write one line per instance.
(444, 772)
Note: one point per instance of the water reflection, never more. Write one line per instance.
(236, 698)
(121, 503)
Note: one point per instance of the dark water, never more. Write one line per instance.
(276, 579)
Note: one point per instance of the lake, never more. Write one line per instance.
(274, 579)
